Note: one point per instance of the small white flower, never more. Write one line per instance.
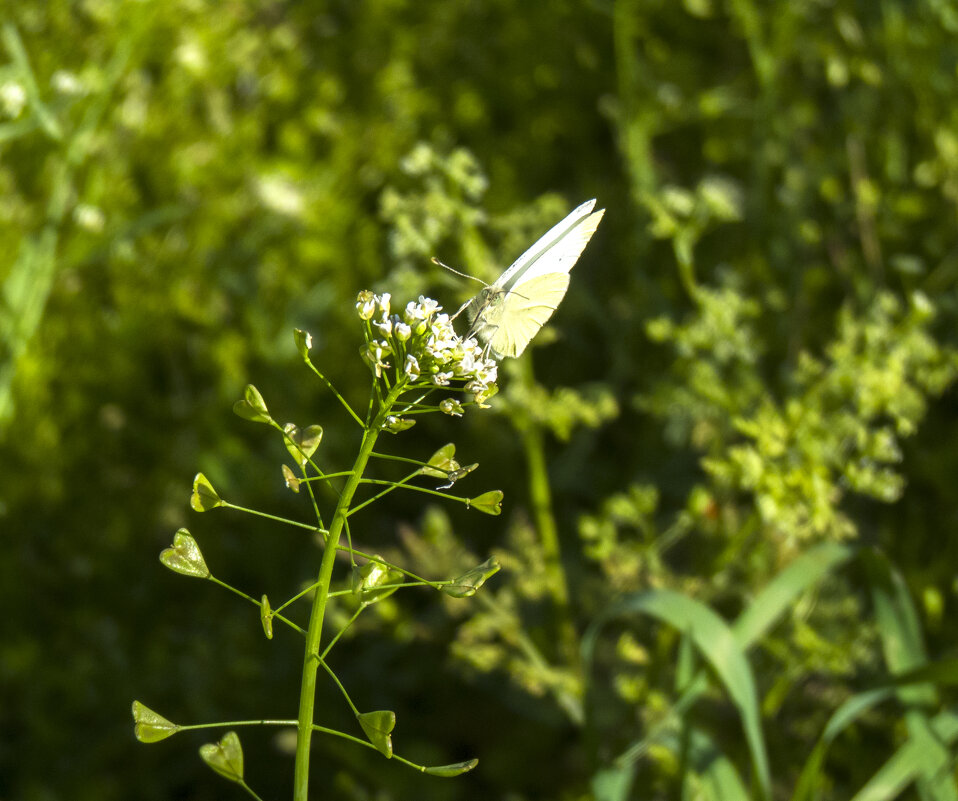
(89, 217)
(382, 303)
(13, 97)
(375, 355)
(66, 83)
(385, 326)
(438, 349)
(466, 364)
(441, 379)
(452, 407)
(488, 372)
(413, 313)
(279, 194)
(429, 306)
(192, 56)
(403, 331)
(411, 368)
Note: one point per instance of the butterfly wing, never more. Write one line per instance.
(510, 312)
(557, 250)
(511, 322)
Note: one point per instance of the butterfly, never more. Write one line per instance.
(507, 314)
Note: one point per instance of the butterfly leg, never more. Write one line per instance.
(461, 309)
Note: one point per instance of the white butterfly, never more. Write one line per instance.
(507, 314)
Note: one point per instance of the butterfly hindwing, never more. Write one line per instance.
(524, 310)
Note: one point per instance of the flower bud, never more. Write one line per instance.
(366, 304)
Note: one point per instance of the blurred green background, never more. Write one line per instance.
(755, 358)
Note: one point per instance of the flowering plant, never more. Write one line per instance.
(413, 357)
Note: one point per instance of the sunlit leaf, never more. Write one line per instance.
(367, 581)
(204, 496)
(456, 769)
(252, 407)
(185, 556)
(489, 503)
(225, 757)
(378, 727)
(613, 782)
(455, 475)
(472, 580)
(302, 444)
(394, 424)
(266, 617)
(442, 462)
(149, 726)
(291, 479)
(899, 629)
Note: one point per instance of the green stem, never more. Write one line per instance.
(390, 486)
(331, 388)
(286, 521)
(311, 659)
(393, 485)
(335, 639)
(541, 498)
(339, 684)
(229, 724)
(249, 790)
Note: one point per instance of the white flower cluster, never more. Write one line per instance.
(425, 348)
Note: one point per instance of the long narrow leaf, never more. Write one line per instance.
(901, 637)
(907, 764)
(779, 595)
(843, 717)
(762, 614)
(613, 782)
(944, 672)
(718, 776)
(718, 645)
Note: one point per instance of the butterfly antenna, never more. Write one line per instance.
(464, 275)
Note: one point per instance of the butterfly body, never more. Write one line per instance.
(507, 314)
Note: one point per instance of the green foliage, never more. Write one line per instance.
(755, 362)
(836, 424)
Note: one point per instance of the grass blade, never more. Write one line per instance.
(715, 640)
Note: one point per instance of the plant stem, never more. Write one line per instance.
(541, 498)
(307, 695)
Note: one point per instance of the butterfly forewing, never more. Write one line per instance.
(510, 312)
(557, 250)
